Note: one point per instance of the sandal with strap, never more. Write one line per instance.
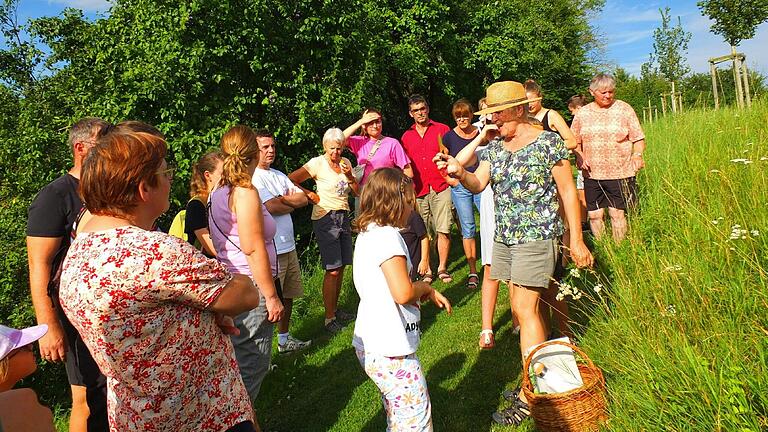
(472, 281)
(444, 276)
(487, 340)
(511, 395)
(514, 415)
(427, 278)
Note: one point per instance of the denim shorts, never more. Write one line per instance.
(462, 200)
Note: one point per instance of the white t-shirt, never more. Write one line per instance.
(383, 327)
(271, 184)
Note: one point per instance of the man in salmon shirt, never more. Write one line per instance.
(433, 197)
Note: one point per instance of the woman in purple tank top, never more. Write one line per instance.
(242, 231)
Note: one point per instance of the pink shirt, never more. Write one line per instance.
(421, 150)
(139, 300)
(222, 225)
(390, 153)
(607, 135)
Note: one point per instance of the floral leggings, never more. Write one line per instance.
(403, 390)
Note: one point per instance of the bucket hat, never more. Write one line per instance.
(505, 94)
(10, 338)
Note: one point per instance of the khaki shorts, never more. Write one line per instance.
(435, 209)
(528, 264)
(289, 274)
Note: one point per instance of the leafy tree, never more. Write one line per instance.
(296, 67)
(670, 45)
(735, 20)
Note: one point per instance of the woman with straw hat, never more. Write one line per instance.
(527, 168)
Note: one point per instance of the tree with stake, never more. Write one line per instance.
(670, 45)
(735, 21)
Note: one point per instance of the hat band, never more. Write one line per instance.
(506, 102)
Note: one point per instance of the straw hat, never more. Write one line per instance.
(505, 94)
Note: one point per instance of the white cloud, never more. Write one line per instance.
(628, 37)
(86, 5)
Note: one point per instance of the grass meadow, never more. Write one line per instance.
(680, 326)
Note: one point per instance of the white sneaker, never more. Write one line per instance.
(292, 344)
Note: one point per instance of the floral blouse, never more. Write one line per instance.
(139, 299)
(524, 189)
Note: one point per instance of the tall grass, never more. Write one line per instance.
(683, 332)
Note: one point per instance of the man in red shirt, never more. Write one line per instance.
(422, 143)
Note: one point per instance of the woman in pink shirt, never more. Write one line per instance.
(243, 231)
(610, 147)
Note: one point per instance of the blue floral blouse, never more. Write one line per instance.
(524, 189)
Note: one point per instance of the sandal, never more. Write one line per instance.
(472, 281)
(444, 276)
(514, 415)
(511, 395)
(487, 340)
(427, 278)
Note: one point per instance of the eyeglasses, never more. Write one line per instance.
(422, 109)
(373, 122)
(168, 173)
(463, 119)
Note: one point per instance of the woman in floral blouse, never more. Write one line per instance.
(153, 310)
(527, 168)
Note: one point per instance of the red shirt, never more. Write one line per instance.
(421, 150)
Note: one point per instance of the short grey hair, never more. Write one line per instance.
(602, 81)
(85, 129)
(333, 135)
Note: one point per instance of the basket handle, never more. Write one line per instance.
(526, 383)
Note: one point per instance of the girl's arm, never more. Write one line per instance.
(424, 263)
(403, 290)
(250, 227)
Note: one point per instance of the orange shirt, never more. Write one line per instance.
(606, 136)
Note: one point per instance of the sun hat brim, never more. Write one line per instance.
(504, 105)
(32, 334)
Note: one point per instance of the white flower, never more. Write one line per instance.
(741, 160)
(598, 288)
(559, 297)
(673, 268)
(715, 221)
(714, 171)
(671, 309)
(575, 273)
(764, 158)
(755, 233)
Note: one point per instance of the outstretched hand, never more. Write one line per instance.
(448, 167)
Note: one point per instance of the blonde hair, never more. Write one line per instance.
(4, 364)
(198, 185)
(240, 148)
(386, 196)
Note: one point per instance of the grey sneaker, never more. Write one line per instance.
(344, 316)
(292, 344)
(334, 326)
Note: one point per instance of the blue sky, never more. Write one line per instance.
(625, 27)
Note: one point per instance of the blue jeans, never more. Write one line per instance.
(462, 200)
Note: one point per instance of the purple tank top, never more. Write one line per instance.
(223, 224)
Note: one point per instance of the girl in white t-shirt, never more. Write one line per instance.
(388, 317)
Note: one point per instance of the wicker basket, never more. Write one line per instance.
(581, 409)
